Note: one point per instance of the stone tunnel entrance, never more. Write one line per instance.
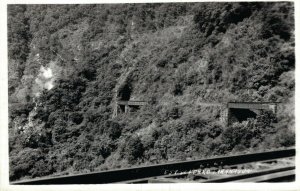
(124, 104)
(241, 111)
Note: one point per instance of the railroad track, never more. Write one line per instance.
(271, 166)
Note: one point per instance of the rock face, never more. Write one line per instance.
(70, 64)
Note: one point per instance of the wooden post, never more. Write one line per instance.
(126, 108)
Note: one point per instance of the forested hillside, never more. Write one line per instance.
(68, 64)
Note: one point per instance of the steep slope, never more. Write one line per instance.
(68, 64)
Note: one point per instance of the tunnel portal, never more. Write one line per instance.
(241, 111)
(125, 92)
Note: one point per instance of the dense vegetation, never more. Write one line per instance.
(175, 56)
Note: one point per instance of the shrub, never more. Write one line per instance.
(240, 134)
(76, 118)
(284, 138)
(103, 146)
(38, 140)
(133, 149)
(177, 89)
(20, 109)
(215, 131)
(42, 168)
(26, 163)
(112, 129)
(274, 25)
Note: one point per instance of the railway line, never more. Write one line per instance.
(271, 166)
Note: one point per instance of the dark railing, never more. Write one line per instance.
(134, 103)
(253, 105)
(119, 175)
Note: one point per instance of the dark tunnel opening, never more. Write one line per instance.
(239, 115)
(125, 92)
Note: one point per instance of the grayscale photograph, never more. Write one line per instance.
(147, 93)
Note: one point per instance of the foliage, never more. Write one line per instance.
(180, 57)
(133, 149)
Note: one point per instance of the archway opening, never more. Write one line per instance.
(240, 115)
(125, 92)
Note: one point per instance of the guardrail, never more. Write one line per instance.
(135, 103)
(127, 174)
